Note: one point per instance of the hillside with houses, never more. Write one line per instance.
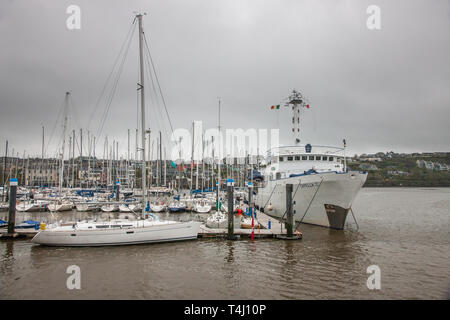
(392, 169)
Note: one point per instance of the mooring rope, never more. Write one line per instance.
(298, 224)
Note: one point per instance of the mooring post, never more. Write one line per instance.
(289, 212)
(250, 200)
(230, 184)
(12, 205)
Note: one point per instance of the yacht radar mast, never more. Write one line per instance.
(297, 100)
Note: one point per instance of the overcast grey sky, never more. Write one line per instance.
(382, 90)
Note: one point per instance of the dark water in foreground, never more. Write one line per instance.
(403, 231)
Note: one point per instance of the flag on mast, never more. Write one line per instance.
(275, 107)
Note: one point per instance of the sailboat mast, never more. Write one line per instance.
(219, 160)
(61, 173)
(192, 154)
(160, 159)
(141, 87)
(165, 168)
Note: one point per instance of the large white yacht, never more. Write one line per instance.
(323, 188)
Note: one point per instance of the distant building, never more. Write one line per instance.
(398, 173)
(420, 163)
(373, 159)
(46, 175)
(432, 165)
(366, 166)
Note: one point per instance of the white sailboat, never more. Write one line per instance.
(87, 206)
(110, 207)
(122, 232)
(60, 205)
(158, 206)
(31, 206)
(202, 206)
(130, 207)
(117, 232)
(219, 220)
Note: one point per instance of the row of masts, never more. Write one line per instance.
(67, 175)
(90, 171)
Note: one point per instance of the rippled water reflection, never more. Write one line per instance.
(404, 231)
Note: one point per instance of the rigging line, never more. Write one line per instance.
(132, 27)
(116, 82)
(157, 81)
(158, 112)
(152, 93)
(309, 205)
(161, 94)
(112, 93)
(54, 127)
(155, 98)
(74, 113)
(357, 226)
(270, 196)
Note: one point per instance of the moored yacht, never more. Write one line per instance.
(323, 187)
(117, 232)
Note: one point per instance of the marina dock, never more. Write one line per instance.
(276, 230)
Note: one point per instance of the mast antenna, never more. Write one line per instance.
(297, 100)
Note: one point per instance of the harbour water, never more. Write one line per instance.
(404, 231)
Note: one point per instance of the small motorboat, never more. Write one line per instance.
(177, 206)
(28, 224)
(3, 223)
(247, 224)
(110, 208)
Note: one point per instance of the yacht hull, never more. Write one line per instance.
(120, 236)
(322, 199)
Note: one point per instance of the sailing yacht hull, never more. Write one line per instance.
(30, 207)
(320, 199)
(59, 207)
(119, 236)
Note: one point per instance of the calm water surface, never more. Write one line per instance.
(406, 232)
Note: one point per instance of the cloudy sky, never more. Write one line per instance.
(382, 90)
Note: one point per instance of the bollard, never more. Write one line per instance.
(289, 215)
(230, 184)
(270, 224)
(12, 205)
